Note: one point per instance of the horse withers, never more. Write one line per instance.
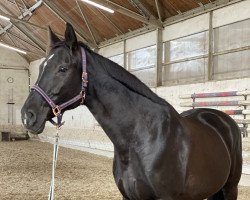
(158, 153)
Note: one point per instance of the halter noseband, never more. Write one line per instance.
(57, 109)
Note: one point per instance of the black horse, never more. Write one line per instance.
(158, 153)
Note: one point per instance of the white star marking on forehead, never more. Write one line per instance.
(46, 62)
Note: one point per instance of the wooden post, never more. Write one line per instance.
(209, 74)
(124, 55)
(159, 50)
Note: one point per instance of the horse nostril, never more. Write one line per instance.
(29, 118)
(29, 115)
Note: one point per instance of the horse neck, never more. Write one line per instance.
(119, 110)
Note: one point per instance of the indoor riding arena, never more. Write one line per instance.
(150, 135)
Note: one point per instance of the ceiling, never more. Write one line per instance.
(30, 19)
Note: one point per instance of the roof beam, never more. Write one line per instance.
(86, 20)
(24, 4)
(23, 40)
(158, 10)
(8, 36)
(13, 42)
(3, 30)
(20, 54)
(30, 10)
(23, 28)
(120, 9)
(109, 20)
(18, 7)
(26, 22)
(142, 8)
(30, 35)
(52, 6)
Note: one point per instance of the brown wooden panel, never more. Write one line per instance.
(126, 4)
(29, 3)
(9, 7)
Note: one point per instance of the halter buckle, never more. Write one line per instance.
(83, 97)
(85, 77)
(56, 111)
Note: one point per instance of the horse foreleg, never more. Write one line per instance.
(230, 192)
(218, 196)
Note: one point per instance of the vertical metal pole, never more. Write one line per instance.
(124, 55)
(245, 126)
(210, 67)
(159, 49)
(10, 107)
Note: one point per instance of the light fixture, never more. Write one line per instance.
(98, 6)
(12, 48)
(5, 18)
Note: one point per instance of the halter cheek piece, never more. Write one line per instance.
(57, 109)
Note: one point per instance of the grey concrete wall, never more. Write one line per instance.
(14, 88)
(9, 58)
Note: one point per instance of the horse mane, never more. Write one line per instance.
(125, 78)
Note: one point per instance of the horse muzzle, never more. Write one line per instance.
(29, 120)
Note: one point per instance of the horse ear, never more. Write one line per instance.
(70, 36)
(52, 38)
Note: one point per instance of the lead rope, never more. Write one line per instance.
(55, 156)
(55, 153)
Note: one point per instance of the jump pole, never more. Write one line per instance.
(216, 94)
(215, 103)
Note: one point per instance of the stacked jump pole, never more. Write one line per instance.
(239, 107)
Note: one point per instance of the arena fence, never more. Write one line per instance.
(238, 108)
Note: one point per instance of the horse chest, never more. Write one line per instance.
(132, 182)
(134, 188)
(138, 179)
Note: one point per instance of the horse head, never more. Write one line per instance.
(59, 77)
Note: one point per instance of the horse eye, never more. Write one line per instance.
(63, 69)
